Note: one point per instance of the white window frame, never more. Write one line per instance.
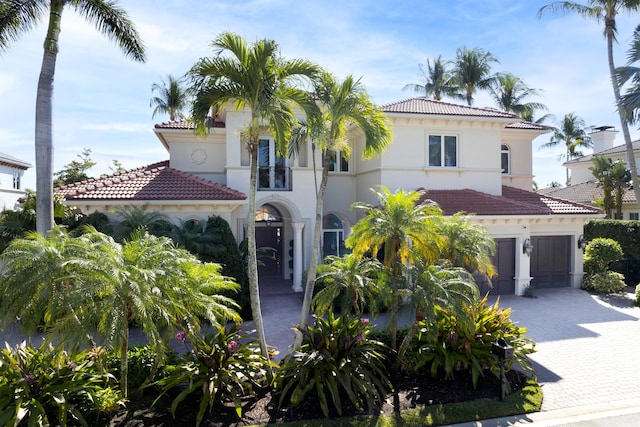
(504, 149)
(443, 151)
(339, 154)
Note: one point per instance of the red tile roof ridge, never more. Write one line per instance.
(485, 111)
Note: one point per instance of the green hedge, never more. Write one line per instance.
(627, 234)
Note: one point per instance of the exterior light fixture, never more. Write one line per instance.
(527, 247)
(582, 242)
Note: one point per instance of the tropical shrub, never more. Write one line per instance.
(599, 254)
(144, 366)
(48, 386)
(463, 342)
(604, 282)
(637, 299)
(223, 366)
(336, 361)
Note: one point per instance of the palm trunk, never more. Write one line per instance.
(252, 267)
(631, 159)
(43, 126)
(315, 250)
(404, 346)
(124, 362)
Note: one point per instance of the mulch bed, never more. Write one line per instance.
(411, 391)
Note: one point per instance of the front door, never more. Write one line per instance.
(269, 247)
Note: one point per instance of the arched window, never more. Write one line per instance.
(268, 213)
(332, 236)
(504, 159)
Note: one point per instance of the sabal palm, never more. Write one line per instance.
(472, 71)
(18, 17)
(172, 98)
(437, 81)
(511, 94)
(400, 228)
(606, 11)
(252, 77)
(351, 281)
(341, 106)
(572, 134)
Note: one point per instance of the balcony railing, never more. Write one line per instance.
(276, 178)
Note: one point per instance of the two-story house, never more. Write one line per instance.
(11, 182)
(466, 159)
(584, 187)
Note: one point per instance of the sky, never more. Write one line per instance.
(102, 98)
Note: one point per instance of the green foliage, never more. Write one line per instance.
(599, 254)
(627, 234)
(605, 282)
(224, 366)
(637, 298)
(48, 386)
(75, 171)
(336, 360)
(463, 342)
(144, 366)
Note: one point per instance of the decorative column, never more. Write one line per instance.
(297, 256)
(523, 263)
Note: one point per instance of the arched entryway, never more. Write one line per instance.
(269, 241)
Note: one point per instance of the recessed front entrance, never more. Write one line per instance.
(269, 247)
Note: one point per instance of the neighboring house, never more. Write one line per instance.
(467, 159)
(584, 187)
(11, 185)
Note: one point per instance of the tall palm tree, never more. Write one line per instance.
(572, 134)
(19, 16)
(172, 98)
(399, 229)
(472, 71)
(341, 106)
(437, 81)
(252, 77)
(606, 11)
(510, 94)
(601, 170)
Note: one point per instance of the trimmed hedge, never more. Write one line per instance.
(627, 234)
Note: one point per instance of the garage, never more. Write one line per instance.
(505, 262)
(550, 261)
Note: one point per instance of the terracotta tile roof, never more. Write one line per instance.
(512, 202)
(527, 126)
(157, 181)
(617, 150)
(13, 162)
(185, 124)
(430, 106)
(585, 192)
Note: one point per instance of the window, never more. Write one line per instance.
(273, 173)
(634, 216)
(332, 236)
(504, 159)
(443, 150)
(16, 181)
(343, 166)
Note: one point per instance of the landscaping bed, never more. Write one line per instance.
(412, 391)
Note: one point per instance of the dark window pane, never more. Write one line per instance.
(435, 150)
(450, 151)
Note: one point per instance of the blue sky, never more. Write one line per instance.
(101, 98)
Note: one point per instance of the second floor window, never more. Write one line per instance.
(341, 165)
(504, 159)
(443, 150)
(16, 181)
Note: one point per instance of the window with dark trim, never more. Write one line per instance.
(504, 159)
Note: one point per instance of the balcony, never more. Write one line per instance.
(276, 178)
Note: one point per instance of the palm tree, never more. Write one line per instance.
(601, 170)
(572, 134)
(342, 106)
(133, 218)
(620, 180)
(256, 78)
(606, 11)
(437, 81)
(91, 284)
(352, 280)
(398, 228)
(467, 245)
(472, 71)
(510, 94)
(19, 16)
(172, 98)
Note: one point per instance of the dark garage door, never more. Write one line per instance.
(505, 262)
(550, 261)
